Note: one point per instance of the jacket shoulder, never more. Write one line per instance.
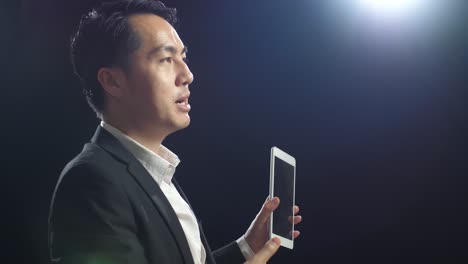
(93, 165)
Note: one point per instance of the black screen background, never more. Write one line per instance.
(284, 189)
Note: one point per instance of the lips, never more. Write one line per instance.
(182, 103)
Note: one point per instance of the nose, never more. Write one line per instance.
(185, 76)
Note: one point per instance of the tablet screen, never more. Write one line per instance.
(284, 189)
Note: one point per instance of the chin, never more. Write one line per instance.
(181, 124)
(186, 124)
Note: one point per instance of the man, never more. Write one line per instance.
(117, 202)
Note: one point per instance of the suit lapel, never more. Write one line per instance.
(150, 187)
(209, 256)
(182, 194)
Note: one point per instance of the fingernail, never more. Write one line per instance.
(276, 200)
(276, 241)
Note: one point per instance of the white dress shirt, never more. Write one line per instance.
(162, 167)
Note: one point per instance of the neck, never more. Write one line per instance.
(145, 134)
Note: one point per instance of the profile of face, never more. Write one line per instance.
(155, 85)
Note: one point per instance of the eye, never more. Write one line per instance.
(167, 59)
(186, 60)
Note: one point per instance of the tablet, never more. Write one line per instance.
(282, 185)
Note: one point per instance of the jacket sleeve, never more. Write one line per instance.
(91, 220)
(229, 254)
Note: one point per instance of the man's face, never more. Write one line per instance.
(157, 77)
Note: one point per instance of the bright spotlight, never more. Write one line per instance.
(393, 8)
(394, 25)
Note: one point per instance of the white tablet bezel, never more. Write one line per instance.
(276, 152)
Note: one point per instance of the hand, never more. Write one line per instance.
(266, 252)
(257, 234)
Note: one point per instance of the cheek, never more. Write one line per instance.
(160, 86)
(153, 88)
(157, 95)
(143, 85)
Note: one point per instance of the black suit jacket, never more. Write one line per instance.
(107, 208)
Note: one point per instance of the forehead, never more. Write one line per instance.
(154, 31)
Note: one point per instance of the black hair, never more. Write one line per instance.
(104, 38)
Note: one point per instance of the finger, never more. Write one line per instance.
(297, 219)
(296, 234)
(268, 250)
(296, 209)
(269, 206)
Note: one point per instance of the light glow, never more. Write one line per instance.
(393, 8)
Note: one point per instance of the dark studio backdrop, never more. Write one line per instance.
(376, 118)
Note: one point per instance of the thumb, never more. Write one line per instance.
(267, 251)
(268, 207)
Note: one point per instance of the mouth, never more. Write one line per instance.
(183, 103)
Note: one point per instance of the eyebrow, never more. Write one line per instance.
(168, 48)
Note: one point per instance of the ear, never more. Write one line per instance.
(111, 80)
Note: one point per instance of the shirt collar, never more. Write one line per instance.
(161, 167)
